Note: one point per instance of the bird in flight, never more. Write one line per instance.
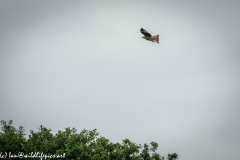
(149, 37)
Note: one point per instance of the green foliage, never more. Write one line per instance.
(86, 145)
(11, 139)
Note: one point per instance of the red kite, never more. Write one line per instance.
(149, 37)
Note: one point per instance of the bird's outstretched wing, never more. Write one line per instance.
(145, 33)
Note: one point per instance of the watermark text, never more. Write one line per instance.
(41, 156)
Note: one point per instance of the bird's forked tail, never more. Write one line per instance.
(156, 38)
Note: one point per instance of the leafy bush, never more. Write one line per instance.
(86, 145)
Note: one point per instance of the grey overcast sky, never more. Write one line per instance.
(83, 64)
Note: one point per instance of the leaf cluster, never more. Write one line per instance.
(86, 145)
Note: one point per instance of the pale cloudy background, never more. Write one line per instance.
(84, 64)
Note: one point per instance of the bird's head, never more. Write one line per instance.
(144, 37)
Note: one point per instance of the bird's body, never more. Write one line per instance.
(149, 37)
